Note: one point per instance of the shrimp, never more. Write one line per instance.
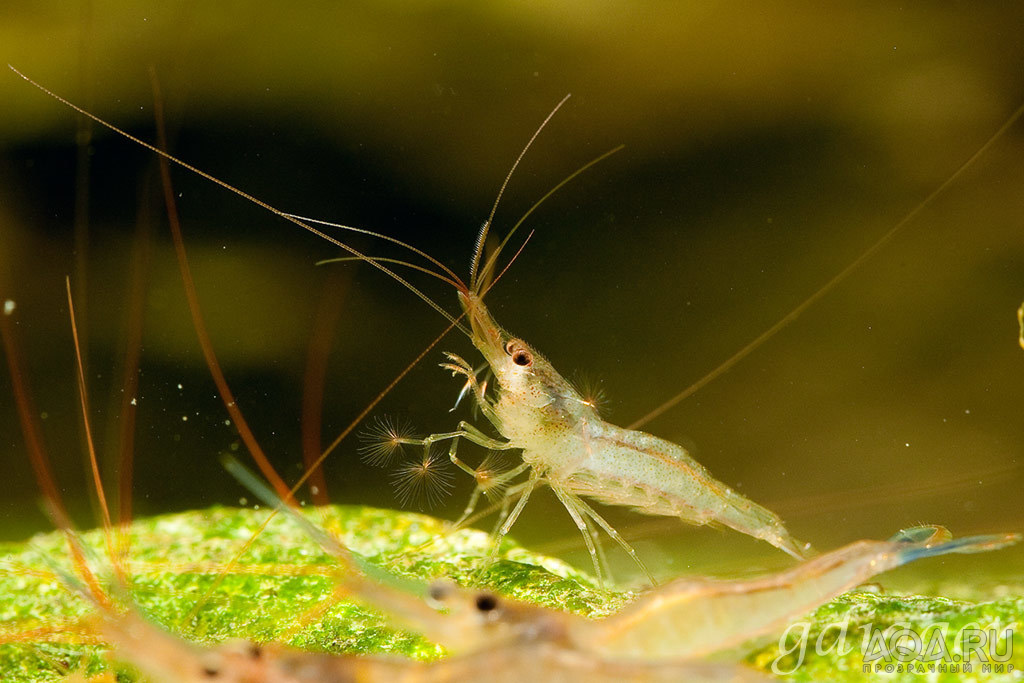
(662, 636)
(562, 440)
(682, 620)
(569, 447)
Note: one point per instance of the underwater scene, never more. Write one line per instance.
(662, 331)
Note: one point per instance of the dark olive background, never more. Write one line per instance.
(766, 147)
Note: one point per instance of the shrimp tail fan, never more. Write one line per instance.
(930, 541)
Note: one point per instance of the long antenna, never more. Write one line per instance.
(244, 195)
(482, 236)
(489, 266)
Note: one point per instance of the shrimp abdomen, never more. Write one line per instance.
(658, 477)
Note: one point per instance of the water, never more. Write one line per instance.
(763, 153)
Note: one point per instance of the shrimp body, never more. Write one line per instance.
(658, 477)
(579, 454)
(691, 618)
(660, 637)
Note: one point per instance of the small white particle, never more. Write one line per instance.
(180, 387)
(907, 445)
(9, 306)
(227, 423)
(314, 489)
(967, 412)
(184, 418)
(135, 402)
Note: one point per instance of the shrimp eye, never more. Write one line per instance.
(520, 356)
(485, 602)
(439, 591)
(211, 666)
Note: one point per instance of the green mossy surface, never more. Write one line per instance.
(176, 559)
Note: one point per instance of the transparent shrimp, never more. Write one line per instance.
(661, 636)
(665, 635)
(563, 441)
(567, 444)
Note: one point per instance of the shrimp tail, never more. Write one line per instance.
(748, 517)
(930, 541)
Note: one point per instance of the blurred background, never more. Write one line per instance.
(765, 149)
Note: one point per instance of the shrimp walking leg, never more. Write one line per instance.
(528, 487)
(590, 512)
(584, 526)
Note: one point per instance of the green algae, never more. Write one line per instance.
(176, 560)
(854, 630)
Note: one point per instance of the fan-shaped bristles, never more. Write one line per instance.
(492, 476)
(422, 481)
(383, 440)
(591, 391)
